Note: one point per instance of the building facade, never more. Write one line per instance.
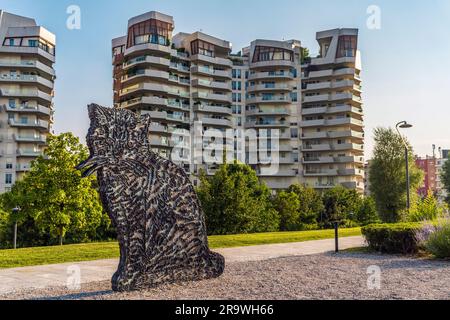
(261, 99)
(428, 165)
(332, 115)
(27, 55)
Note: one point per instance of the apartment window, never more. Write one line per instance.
(237, 97)
(9, 165)
(8, 178)
(237, 85)
(236, 73)
(294, 96)
(24, 120)
(270, 53)
(203, 48)
(347, 46)
(12, 103)
(11, 42)
(152, 30)
(33, 43)
(236, 109)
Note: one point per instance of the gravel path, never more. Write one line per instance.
(322, 276)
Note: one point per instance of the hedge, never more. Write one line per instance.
(392, 238)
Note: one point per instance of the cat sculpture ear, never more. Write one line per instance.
(97, 114)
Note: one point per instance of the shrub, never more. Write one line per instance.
(392, 238)
(438, 242)
(427, 208)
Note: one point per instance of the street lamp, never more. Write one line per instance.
(15, 211)
(405, 125)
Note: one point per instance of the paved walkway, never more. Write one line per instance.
(61, 274)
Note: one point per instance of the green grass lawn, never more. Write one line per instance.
(105, 250)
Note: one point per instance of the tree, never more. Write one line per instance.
(299, 208)
(340, 204)
(311, 205)
(387, 175)
(445, 178)
(235, 201)
(287, 205)
(305, 57)
(367, 212)
(54, 196)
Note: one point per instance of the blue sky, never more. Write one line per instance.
(406, 64)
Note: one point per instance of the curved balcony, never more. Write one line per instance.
(270, 87)
(213, 109)
(153, 87)
(146, 61)
(162, 115)
(269, 100)
(212, 60)
(271, 111)
(36, 124)
(211, 84)
(212, 96)
(28, 64)
(320, 172)
(211, 72)
(333, 134)
(355, 123)
(272, 63)
(271, 75)
(27, 79)
(207, 121)
(30, 138)
(179, 67)
(40, 110)
(29, 153)
(36, 51)
(137, 77)
(156, 101)
(147, 47)
(331, 110)
(267, 124)
(42, 97)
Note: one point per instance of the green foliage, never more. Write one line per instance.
(298, 208)
(387, 175)
(427, 208)
(235, 201)
(445, 178)
(54, 199)
(340, 204)
(287, 205)
(367, 212)
(392, 238)
(438, 243)
(305, 57)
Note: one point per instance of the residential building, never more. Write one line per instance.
(27, 55)
(367, 178)
(441, 192)
(256, 94)
(428, 165)
(332, 114)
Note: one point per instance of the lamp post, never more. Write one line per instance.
(405, 125)
(15, 211)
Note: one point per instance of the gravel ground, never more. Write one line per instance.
(323, 276)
